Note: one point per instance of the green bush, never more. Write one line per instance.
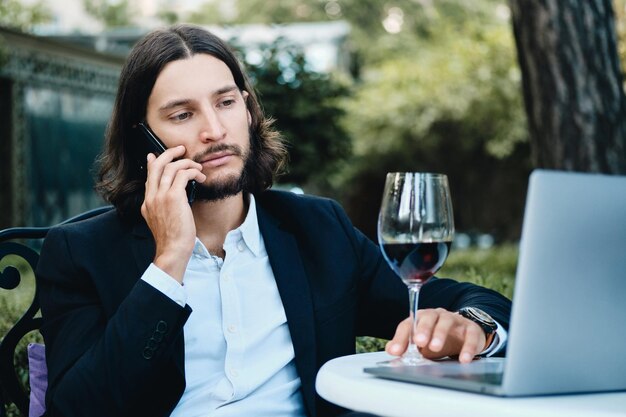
(492, 268)
(13, 305)
(306, 107)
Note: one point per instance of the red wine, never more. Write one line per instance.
(416, 262)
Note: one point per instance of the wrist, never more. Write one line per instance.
(483, 320)
(172, 265)
(489, 340)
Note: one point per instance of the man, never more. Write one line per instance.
(228, 306)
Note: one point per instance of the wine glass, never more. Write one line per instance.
(415, 232)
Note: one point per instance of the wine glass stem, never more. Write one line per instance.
(414, 292)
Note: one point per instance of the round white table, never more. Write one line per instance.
(343, 382)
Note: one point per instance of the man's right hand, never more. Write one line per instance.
(440, 333)
(167, 210)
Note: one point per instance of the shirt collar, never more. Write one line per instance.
(249, 229)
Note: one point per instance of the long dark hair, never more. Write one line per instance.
(120, 180)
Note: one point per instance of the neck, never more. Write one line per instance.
(214, 219)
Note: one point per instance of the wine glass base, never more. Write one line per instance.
(406, 360)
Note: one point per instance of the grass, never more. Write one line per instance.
(492, 268)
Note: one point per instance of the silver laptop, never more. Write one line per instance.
(569, 305)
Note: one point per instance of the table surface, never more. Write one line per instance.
(343, 382)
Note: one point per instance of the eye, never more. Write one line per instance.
(181, 116)
(227, 103)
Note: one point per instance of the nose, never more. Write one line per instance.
(212, 128)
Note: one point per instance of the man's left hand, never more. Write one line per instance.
(440, 333)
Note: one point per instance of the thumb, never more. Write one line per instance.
(400, 341)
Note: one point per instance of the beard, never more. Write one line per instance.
(230, 185)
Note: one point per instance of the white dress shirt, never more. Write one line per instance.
(239, 357)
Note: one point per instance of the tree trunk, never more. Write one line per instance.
(572, 84)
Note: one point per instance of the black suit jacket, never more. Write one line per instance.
(115, 345)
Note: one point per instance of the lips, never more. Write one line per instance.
(216, 159)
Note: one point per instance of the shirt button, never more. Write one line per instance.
(226, 277)
(232, 328)
(234, 373)
(241, 246)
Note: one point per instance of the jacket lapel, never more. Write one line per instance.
(293, 287)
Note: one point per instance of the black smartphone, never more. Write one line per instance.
(155, 145)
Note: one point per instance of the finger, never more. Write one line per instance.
(426, 322)
(166, 157)
(400, 341)
(172, 153)
(171, 171)
(175, 192)
(184, 176)
(156, 166)
(150, 186)
(443, 328)
(474, 341)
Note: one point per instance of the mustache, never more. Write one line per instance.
(234, 149)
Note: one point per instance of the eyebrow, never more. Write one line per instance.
(183, 102)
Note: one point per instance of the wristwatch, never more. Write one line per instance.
(481, 318)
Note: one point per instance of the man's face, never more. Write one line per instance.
(196, 103)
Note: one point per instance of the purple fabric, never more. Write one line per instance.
(38, 374)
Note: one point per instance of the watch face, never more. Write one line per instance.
(482, 315)
(481, 318)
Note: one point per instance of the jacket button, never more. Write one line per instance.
(147, 353)
(152, 344)
(161, 327)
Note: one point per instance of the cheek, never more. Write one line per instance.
(168, 138)
(240, 124)
(174, 136)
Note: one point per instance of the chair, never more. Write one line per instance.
(21, 242)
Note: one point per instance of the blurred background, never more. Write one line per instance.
(359, 88)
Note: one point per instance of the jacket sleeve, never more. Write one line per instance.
(384, 298)
(97, 359)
